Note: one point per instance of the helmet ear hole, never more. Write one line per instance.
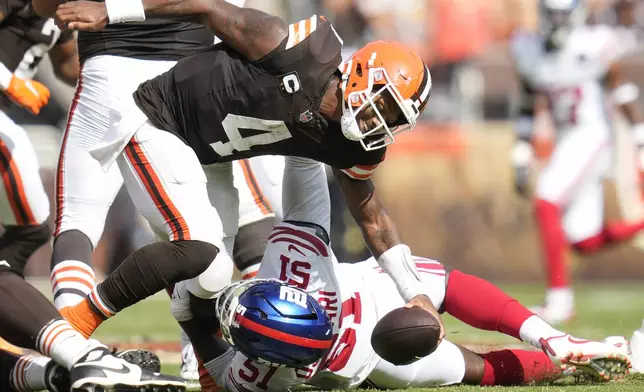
(359, 69)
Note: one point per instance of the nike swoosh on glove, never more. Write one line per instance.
(29, 94)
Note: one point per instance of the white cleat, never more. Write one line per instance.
(602, 361)
(189, 365)
(637, 350)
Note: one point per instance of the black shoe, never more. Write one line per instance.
(100, 371)
(56, 378)
(146, 360)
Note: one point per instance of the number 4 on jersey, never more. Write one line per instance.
(270, 131)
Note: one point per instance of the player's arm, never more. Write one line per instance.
(45, 8)
(381, 236)
(251, 32)
(64, 59)
(379, 231)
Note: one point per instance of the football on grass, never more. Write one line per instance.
(405, 335)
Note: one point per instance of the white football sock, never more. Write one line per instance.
(28, 374)
(534, 329)
(62, 343)
(71, 281)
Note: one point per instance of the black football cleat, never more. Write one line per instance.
(146, 360)
(100, 371)
(56, 378)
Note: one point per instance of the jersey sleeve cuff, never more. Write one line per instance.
(360, 172)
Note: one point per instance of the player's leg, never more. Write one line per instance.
(250, 243)
(171, 194)
(584, 223)
(24, 206)
(30, 373)
(228, 205)
(83, 191)
(461, 295)
(268, 172)
(578, 158)
(453, 364)
(464, 295)
(28, 319)
(258, 181)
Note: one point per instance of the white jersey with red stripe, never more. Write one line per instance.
(571, 77)
(355, 296)
(300, 254)
(297, 255)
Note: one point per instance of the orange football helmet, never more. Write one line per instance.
(386, 86)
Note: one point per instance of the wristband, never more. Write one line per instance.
(119, 11)
(399, 264)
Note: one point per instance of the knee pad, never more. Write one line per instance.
(217, 276)
(198, 256)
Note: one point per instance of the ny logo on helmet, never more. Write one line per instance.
(292, 295)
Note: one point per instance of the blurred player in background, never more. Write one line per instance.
(575, 69)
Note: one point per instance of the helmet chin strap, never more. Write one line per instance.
(349, 126)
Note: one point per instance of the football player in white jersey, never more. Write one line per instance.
(575, 69)
(356, 296)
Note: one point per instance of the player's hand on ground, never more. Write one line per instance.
(29, 94)
(82, 15)
(423, 301)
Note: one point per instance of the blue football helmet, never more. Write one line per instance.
(274, 323)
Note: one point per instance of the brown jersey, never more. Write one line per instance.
(226, 107)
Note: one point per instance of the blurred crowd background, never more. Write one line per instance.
(448, 184)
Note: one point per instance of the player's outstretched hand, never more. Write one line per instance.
(82, 15)
(423, 301)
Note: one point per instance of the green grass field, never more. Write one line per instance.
(603, 310)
